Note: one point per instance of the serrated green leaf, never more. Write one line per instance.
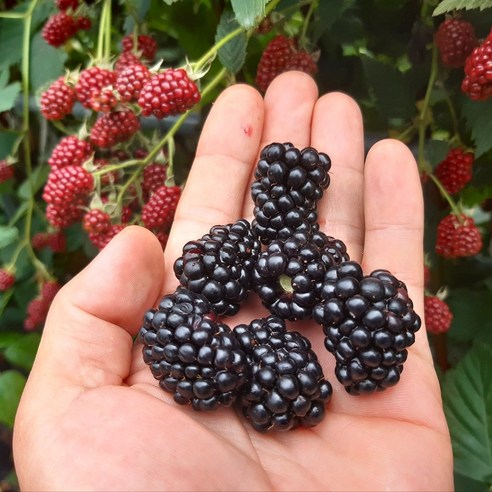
(11, 386)
(249, 12)
(22, 352)
(478, 120)
(8, 235)
(8, 95)
(467, 397)
(233, 53)
(450, 5)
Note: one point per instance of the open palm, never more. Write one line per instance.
(93, 417)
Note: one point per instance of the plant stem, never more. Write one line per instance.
(107, 31)
(307, 20)
(100, 34)
(445, 194)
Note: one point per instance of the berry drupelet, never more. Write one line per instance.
(288, 275)
(369, 322)
(220, 265)
(285, 384)
(193, 356)
(287, 186)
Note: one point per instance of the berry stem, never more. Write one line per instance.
(104, 35)
(452, 113)
(445, 194)
(307, 20)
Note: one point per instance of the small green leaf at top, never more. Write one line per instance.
(249, 12)
(450, 5)
(11, 386)
(467, 397)
(233, 53)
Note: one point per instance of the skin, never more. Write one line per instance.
(93, 417)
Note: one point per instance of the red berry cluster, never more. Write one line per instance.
(56, 241)
(146, 46)
(477, 83)
(62, 26)
(458, 236)
(7, 279)
(37, 309)
(438, 316)
(455, 39)
(282, 55)
(455, 171)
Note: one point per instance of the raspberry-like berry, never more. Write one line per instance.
(477, 83)
(154, 176)
(455, 171)
(70, 151)
(58, 29)
(40, 240)
(438, 316)
(91, 82)
(303, 62)
(146, 45)
(83, 23)
(369, 322)
(288, 275)
(163, 237)
(191, 354)
(67, 184)
(115, 127)
(67, 4)
(6, 171)
(220, 265)
(458, 236)
(101, 239)
(168, 93)
(274, 60)
(96, 221)
(103, 101)
(56, 241)
(7, 279)
(159, 211)
(36, 314)
(455, 39)
(287, 186)
(130, 81)
(285, 386)
(126, 59)
(49, 290)
(58, 100)
(61, 216)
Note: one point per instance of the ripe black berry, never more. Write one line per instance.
(193, 356)
(288, 275)
(288, 184)
(285, 384)
(220, 265)
(369, 322)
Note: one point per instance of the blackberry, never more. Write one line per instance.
(220, 265)
(285, 386)
(368, 322)
(288, 275)
(193, 356)
(287, 186)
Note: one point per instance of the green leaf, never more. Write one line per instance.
(470, 308)
(7, 141)
(467, 397)
(450, 5)
(52, 66)
(11, 386)
(8, 235)
(327, 13)
(8, 95)
(22, 352)
(435, 151)
(7, 338)
(11, 32)
(233, 53)
(38, 178)
(478, 120)
(249, 12)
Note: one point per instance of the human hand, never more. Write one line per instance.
(93, 417)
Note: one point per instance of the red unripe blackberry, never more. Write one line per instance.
(146, 45)
(101, 239)
(303, 62)
(40, 240)
(67, 4)
(274, 60)
(37, 311)
(83, 23)
(126, 59)
(49, 290)
(477, 83)
(7, 279)
(58, 29)
(91, 82)
(159, 211)
(115, 127)
(58, 100)
(6, 171)
(455, 171)
(70, 151)
(163, 237)
(154, 176)
(96, 221)
(438, 316)
(130, 81)
(168, 93)
(56, 241)
(455, 39)
(458, 236)
(61, 216)
(103, 101)
(67, 184)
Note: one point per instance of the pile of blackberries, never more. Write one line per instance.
(300, 273)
